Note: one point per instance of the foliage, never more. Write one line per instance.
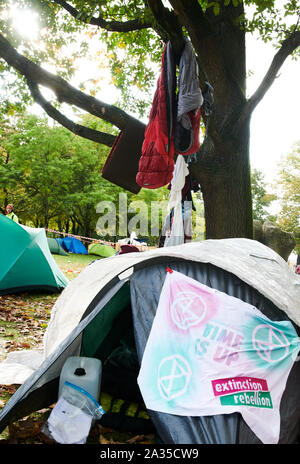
(273, 20)
(53, 178)
(60, 39)
(288, 186)
(54, 35)
(132, 35)
(130, 56)
(260, 198)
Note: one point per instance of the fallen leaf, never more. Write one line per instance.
(104, 430)
(103, 440)
(24, 345)
(135, 439)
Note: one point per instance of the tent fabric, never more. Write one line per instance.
(55, 247)
(19, 365)
(128, 249)
(72, 245)
(101, 250)
(223, 428)
(254, 263)
(25, 260)
(101, 294)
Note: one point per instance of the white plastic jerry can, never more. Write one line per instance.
(83, 372)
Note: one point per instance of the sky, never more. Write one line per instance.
(275, 124)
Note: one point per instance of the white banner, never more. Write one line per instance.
(210, 353)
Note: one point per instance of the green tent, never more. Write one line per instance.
(101, 250)
(25, 260)
(55, 247)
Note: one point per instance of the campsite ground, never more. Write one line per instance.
(23, 320)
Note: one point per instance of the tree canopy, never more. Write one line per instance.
(52, 178)
(261, 198)
(135, 32)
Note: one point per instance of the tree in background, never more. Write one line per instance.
(135, 32)
(288, 186)
(51, 175)
(7, 183)
(53, 178)
(261, 199)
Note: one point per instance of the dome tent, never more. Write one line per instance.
(118, 297)
(101, 249)
(26, 262)
(55, 247)
(72, 245)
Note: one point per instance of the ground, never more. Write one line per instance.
(23, 320)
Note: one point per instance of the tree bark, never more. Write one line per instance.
(224, 176)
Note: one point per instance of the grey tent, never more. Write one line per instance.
(112, 305)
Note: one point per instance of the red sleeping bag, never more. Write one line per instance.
(169, 131)
(156, 164)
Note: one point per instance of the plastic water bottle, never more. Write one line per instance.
(83, 372)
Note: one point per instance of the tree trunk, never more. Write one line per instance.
(223, 169)
(46, 210)
(224, 176)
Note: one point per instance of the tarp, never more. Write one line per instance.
(72, 245)
(101, 249)
(25, 260)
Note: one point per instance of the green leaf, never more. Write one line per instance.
(216, 9)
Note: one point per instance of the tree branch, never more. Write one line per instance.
(62, 89)
(192, 16)
(288, 46)
(217, 43)
(113, 26)
(168, 21)
(82, 131)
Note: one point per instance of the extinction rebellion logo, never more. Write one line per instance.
(188, 309)
(174, 374)
(243, 391)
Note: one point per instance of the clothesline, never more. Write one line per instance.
(81, 237)
(104, 242)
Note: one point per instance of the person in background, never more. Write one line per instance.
(9, 212)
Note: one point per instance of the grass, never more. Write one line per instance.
(23, 320)
(73, 264)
